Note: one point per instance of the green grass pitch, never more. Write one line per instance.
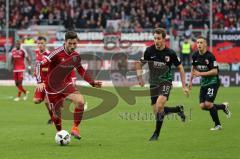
(122, 132)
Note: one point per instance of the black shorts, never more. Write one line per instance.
(208, 93)
(162, 89)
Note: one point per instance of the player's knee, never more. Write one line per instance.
(208, 105)
(79, 103)
(203, 107)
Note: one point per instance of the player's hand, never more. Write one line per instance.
(196, 73)
(190, 85)
(141, 82)
(96, 84)
(40, 87)
(186, 91)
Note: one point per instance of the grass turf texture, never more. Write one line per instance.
(122, 132)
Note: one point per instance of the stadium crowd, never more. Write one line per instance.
(135, 14)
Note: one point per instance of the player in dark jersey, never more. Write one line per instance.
(204, 64)
(160, 59)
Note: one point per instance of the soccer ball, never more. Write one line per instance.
(63, 138)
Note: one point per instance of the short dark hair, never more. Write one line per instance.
(202, 37)
(41, 38)
(161, 31)
(71, 35)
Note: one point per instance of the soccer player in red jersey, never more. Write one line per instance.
(39, 96)
(59, 86)
(18, 56)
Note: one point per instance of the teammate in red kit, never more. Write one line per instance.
(18, 57)
(39, 96)
(58, 84)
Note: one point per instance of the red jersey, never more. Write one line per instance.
(39, 58)
(18, 57)
(60, 66)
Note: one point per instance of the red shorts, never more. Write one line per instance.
(56, 100)
(39, 95)
(18, 76)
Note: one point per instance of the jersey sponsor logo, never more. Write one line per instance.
(158, 64)
(202, 67)
(167, 58)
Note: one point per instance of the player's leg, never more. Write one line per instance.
(40, 96)
(158, 109)
(210, 95)
(78, 101)
(224, 106)
(20, 86)
(55, 103)
(20, 79)
(15, 77)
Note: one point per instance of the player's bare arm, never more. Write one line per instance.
(191, 77)
(139, 73)
(183, 79)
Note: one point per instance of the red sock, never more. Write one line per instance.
(19, 93)
(57, 115)
(78, 114)
(57, 119)
(57, 122)
(20, 87)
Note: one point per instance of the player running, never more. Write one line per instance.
(204, 64)
(18, 57)
(39, 96)
(160, 59)
(58, 84)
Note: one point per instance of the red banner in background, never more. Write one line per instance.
(226, 47)
(227, 52)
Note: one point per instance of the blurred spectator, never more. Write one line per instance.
(29, 40)
(186, 52)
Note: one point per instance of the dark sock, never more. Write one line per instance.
(219, 106)
(168, 110)
(159, 122)
(206, 109)
(214, 115)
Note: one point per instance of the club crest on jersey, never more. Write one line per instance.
(63, 60)
(167, 58)
(74, 59)
(207, 62)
